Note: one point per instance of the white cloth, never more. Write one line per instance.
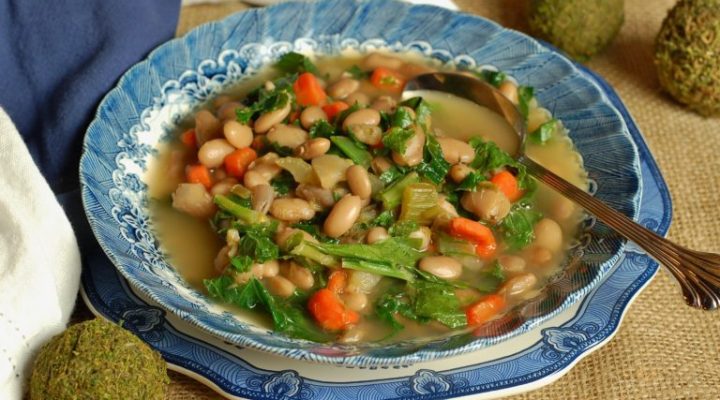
(39, 263)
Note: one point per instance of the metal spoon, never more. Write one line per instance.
(698, 273)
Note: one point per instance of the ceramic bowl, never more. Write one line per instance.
(155, 96)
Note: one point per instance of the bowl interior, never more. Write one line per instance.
(154, 97)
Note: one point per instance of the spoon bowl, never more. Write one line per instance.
(698, 273)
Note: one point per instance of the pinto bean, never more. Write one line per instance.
(548, 234)
(459, 172)
(237, 134)
(368, 134)
(519, 284)
(365, 116)
(441, 266)
(206, 127)
(384, 103)
(342, 216)
(310, 115)
(343, 88)
(291, 210)
(489, 204)
(512, 263)
(359, 181)
(298, 275)
(224, 186)
(193, 199)
(456, 151)
(413, 154)
(315, 195)
(213, 152)
(271, 118)
(313, 148)
(510, 91)
(376, 234)
(358, 97)
(287, 135)
(280, 286)
(262, 197)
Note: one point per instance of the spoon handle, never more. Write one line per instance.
(698, 273)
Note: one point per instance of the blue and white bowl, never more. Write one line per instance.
(153, 97)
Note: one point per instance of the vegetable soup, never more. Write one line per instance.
(315, 199)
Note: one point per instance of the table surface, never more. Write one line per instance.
(664, 349)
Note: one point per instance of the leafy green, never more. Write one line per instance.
(357, 72)
(403, 228)
(544, 132)
(287, 318)
(451, 246)
(384, 219)
(268, 101)
(422, 111)
(396, 301)
(396, 139)
(433, 167)
(283, 183)
(391, 196)
(241, 263)
(393, 251)
(525, 95)
(489, 280)
(352, 150)
(438, 301)
(494, 78)
(489, 157)
(401, 118)
(391, 175)
(257, 243)
(321, 128)
(247, 215)
(378, 268)
(471, 181)
(295, 63)
(340, 118)
(516, 229)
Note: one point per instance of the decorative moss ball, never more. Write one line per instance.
(98, 360)
(581, 28)
(687, 55)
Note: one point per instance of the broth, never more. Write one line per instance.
(192, 244)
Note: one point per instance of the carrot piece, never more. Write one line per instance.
(484, 309)
(236, 163)
(329, 311)
(189, 139)
(198, 173)
(387, 79)
(258, 143)
(475, 232)
(508, 184)
(337, 281)
(294, 116)
(334, 109)
(308, 91)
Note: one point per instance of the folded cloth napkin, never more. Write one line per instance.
(39, 261)
(58, 59)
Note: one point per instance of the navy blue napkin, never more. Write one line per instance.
(58, 58)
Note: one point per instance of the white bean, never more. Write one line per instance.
(291, 210)
(313, 148)
(213, 152)
(270, 119)
(310, 115)
(441, 266)
(224, 186)
(359, 182)
(342, 216)
(548, 234)
(376, 234)
(365, 116)
(519, 284)
(262, 197)
(489, 204)
(343, 88)
(280, 286)
(237, 134)
(206, 127)
(287, 136)
(193, 199)
(300, 276)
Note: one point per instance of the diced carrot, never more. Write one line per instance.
(198, 173)
(387, 79)
(335, 108)
(308, 91)
(189, 139)
(329, 311)
(484, 309)
(475, 232)
(508, 184)
(337, 281)
(236, 163)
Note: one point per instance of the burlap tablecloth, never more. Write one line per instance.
(664, 349)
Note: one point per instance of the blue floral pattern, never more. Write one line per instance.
(559, 341)
(282, 385)
(428, 382)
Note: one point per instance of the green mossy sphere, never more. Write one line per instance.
(687, 55)
(98, 360)
(581, 28)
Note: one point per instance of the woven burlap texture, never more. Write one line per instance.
(664, 349)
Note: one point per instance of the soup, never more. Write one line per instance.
(314, 199)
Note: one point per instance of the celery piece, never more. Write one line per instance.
(378, 268)
(351, 149)
(305, 249)
(391, 197)
(419, 203)
(247, 215)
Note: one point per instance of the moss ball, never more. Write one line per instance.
(581, 28)
(98, 360)
(687, 55)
